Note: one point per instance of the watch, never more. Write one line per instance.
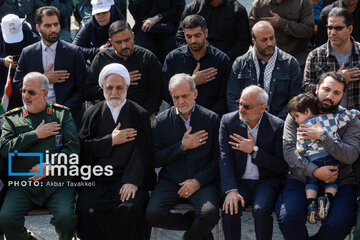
(255, 149)
(323, 136)
(160, 16)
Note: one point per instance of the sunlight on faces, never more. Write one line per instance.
(338, 37)
(123, 43)
(253, 114)
(195, 38)
(114, 89)
(49, 29)
(36, 103)
(329, 94)
(301, 117)
(264, 41)
(183, 98)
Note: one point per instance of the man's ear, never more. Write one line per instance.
(196, 93)
(317, 89)
(37, 28)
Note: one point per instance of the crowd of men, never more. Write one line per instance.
(227, 141)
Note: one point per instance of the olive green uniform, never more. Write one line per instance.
(18, 134)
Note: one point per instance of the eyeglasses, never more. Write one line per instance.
(31, 92)
(337, 28)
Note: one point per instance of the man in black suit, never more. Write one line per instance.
(116, 134)
(185, 141)
(62, 63)
(251, 163)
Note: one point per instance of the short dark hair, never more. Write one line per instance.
(302, 102)
(342, 12)
(48, 11)
(118, 26)
(335, 75)
(193, 21)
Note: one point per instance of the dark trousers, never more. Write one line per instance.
(101, 214)
(205, 202)
(19, 201)
(262, 195)
(291, 211)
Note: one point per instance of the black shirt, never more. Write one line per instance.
(211, 95)
(228, 26)
(146, 93)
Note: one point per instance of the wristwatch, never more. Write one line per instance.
(159, 16)
(255, 149)
(323, 136)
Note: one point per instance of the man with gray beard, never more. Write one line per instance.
(115, 132)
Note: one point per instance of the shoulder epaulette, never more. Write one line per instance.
(13, 111)
(61, 106)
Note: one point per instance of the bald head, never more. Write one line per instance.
(256, 92)
(263, 38)
(260, 27)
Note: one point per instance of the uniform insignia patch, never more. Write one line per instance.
(58, 140)
(25, 113)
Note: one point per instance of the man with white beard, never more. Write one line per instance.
(116, 132)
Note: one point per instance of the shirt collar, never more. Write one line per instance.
(178, 113)
(208, 50)
(52, 47)
(257, 124)
(355, 48)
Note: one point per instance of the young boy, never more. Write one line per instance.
(304, 109)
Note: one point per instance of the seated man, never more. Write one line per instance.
(353, 6)
(93, 36)
(61, 62)
(209, 67)
(252, 165)
(340, 53)
(293, 22)
(37, 127)
(268, 67)
(185, 139)
(227, 21)
(144, 68)
(116, 133)
(291, 208)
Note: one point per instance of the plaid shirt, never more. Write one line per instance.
(321, 60)
(331, 123)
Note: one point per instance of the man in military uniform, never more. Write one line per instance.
(40, 128)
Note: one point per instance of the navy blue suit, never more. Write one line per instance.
(68, 57)
(272, 168)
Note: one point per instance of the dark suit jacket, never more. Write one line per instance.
(68, 57)
(269, 158)
(199, 163)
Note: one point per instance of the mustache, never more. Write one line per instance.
(327, 99)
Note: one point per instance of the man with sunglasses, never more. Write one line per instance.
(341, 53)
(251, 163)
(38, 127)
(352, 5)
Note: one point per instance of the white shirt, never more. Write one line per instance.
(116, 111)
(48, 57)
(186, 122)
(252, 171)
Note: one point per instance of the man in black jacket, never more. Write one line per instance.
(185, 139)
(227, 21)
